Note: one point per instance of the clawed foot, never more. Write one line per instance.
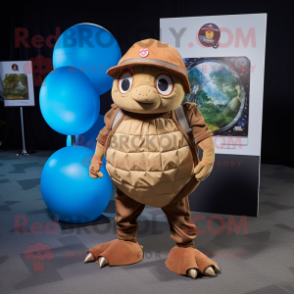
(191, 262)
(114, 253)
(102, 261)
(209, 271)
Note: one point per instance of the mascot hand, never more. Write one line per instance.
(94, 169)
(204, 168)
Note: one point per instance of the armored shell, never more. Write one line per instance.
(149, 160)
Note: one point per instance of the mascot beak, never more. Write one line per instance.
(144, 94)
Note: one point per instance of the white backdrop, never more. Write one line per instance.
(241, 35)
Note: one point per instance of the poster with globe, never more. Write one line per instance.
(224, 57)
(220, 87)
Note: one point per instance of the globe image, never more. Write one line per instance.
(217, 92)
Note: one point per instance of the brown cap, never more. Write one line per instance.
(154, 53)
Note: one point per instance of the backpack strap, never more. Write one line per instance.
(117, 117)
(183, 121)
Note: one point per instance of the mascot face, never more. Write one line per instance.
(147, 89)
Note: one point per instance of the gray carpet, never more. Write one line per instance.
(257, 260)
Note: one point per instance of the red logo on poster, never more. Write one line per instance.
(209, 35)
(144, 52)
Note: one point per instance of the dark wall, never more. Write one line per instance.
(130, 21)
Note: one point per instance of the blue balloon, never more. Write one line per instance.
(69, 191)
(68, 141)
(69, 102)
(91, 49)
(88, 139)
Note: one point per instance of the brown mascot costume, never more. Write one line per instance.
(150, 157)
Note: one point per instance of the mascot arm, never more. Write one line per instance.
(205, 166)
(203, 137)
(96, 161)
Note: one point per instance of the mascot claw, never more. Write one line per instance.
(210, 271)
(216, 269)
(89, 258)
(102, 261)
(192, 273)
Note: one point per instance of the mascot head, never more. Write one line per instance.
(150, 78)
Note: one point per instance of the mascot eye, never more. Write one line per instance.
(164, 84)
(125, 82)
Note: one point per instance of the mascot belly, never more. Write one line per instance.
(150, 161)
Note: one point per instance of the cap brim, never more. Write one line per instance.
(130, 63)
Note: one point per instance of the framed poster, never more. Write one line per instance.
(16, 87)
(224, 57)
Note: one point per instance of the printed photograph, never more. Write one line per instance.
(218, 90)
(2, 97)
(15, 87)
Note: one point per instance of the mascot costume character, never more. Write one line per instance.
(150, 156)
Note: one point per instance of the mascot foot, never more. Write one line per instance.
(190, 262)
(115, 253)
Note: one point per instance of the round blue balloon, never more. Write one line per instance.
(69, 143)
(69, 102)
(88, 139)
(91, 49)
(69, 191)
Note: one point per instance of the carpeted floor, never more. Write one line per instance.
(255, 259)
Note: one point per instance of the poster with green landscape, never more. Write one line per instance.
(15, 86)
(217, 93)
(2, 97)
